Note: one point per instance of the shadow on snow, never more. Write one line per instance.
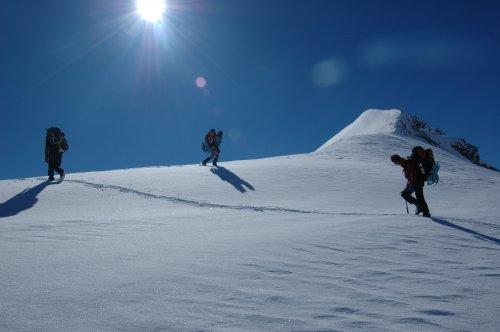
(467, 230)
(23, 201)
(226, 175)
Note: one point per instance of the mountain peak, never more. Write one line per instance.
(397, 122)
(370, 122)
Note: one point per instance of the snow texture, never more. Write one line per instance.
(318, 241)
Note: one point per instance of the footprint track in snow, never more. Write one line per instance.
(202, 204)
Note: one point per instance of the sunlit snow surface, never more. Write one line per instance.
(319, 241)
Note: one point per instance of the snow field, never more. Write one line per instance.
(319, 241)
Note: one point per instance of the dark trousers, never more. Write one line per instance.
(214, 154)
(55, 165)
(419, 201)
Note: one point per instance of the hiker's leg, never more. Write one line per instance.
(422, 204)
(205, 161)
(51, 172)
(406, 194)
(56, 165)
(216, 156)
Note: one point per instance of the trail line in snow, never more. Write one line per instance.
(203, 204)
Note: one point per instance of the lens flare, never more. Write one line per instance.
(329, 72)
(201, 82)
(151, 10)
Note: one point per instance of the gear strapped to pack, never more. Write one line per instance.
(56, 138)
(427, 166)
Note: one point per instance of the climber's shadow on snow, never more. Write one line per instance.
(228, 176)
(23, 201)
(467, 230)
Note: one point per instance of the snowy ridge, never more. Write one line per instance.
(370, 122)
(318, 241)
(383, 122)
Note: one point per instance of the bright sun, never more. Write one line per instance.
(151, 10)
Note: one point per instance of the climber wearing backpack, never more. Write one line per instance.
(55, 146)
(427, 167)
(212, 145)
(415, 184)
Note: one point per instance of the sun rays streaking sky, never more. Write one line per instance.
(136, 86)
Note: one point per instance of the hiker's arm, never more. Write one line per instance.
(413, 176)
(46, 150)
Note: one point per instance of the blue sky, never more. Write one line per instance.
(125, 91)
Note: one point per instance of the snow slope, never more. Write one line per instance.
(319, 241)
(370, 122)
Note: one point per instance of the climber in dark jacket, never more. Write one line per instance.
(55, 146)
(415, 184)
(212, 144)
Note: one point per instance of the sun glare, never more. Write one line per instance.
(151, 10)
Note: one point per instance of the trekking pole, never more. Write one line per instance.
(407, 211)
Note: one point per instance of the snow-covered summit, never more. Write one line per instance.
(396, 122)
(370, 122)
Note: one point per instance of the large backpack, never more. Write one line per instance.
(427, 166)
(56, 138)
(209, 139)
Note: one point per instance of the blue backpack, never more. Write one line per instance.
(433, 178)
